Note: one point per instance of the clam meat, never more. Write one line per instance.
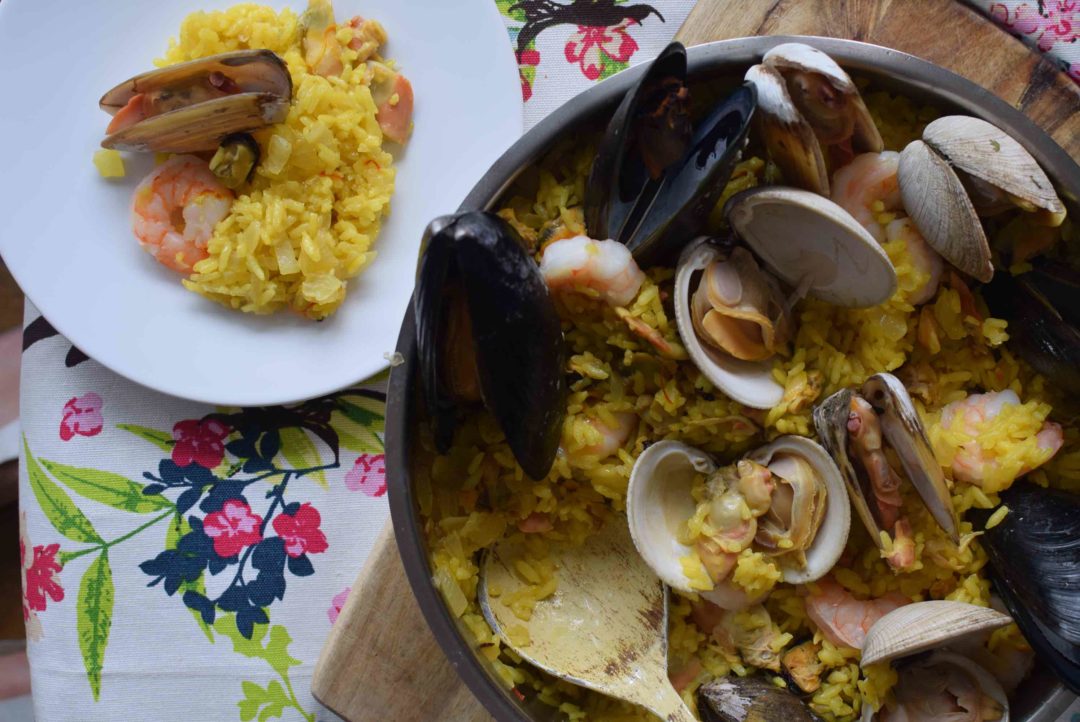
(191, 107)
(691, 519)
(487, 330)
(864, 431)
(943, 685)
(810, 108)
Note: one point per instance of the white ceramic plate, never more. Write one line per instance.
(65, 232)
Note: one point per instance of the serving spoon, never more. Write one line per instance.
(604, 628)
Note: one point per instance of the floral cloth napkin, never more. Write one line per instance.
(182, 561)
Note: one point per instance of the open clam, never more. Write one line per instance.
(809, 105)
(655, 177)
(858, 429)
(943, 682)
(964, 167)
(487, 330)
(731, 313)
(785, 499)
(191, 107)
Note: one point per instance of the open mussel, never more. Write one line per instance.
(1042, 310)
(1035, 556)
(487, 330)
(808, 106)
(785, 499)
(191, 107)
(656, 177)
(858, 429)
(750, 699)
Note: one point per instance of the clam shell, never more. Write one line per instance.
(990, 154)
(748, 382)
(789, 139)
(799, 56)
(828, 544)
(985, 680)
(658, 502)
(936, 200)
(921, 626)
(807, 240)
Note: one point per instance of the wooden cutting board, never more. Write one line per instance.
(381, 662)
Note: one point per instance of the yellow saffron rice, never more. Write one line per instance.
(308, 222)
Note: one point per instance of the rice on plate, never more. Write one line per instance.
(634, 376)
(300, 217)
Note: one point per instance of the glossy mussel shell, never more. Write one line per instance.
(750, 699)
(185, 119)
(1035, 555)
(512, 331)
(653, 182)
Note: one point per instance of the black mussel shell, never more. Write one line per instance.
(1038, 331)
(1035, 555)
(649, 132)
(750, 699)
(1060, 284)
(691, 188)
(516, 335)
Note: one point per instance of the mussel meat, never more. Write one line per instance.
(809, 106)
(785, 499)
(1043, 331)
(857, 429)
(653, 182)
(1035, 556)
(487, 330)
(191, 107)
(235, 160)
(802, 668)
(750, 699)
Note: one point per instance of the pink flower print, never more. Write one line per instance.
(1047, 23)
(40, 581)
(201, 442)
(301, 532)
(233, 527)
(82, 415)
(527, 61)
(337, 604)
(368, 475)
(593, 47)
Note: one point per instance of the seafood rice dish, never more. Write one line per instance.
(272, 135)
(814, 344)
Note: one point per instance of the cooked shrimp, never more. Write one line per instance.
(922, 256)
(536, 523)
(604, 268)
(368, 35)
(393, 96)
(972, 463)
(869, 178)
(843, 619)
(174, 211)
(611, 438)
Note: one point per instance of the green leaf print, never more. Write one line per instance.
(58, 507)
(95, 618)
(161, 439)
(516, 14)
(355, 437)
(275, 653)
(366, 412)
(611, 67)
(272, 701)
(107, 488)
(300, 451)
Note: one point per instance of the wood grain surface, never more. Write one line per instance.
(381, 662)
